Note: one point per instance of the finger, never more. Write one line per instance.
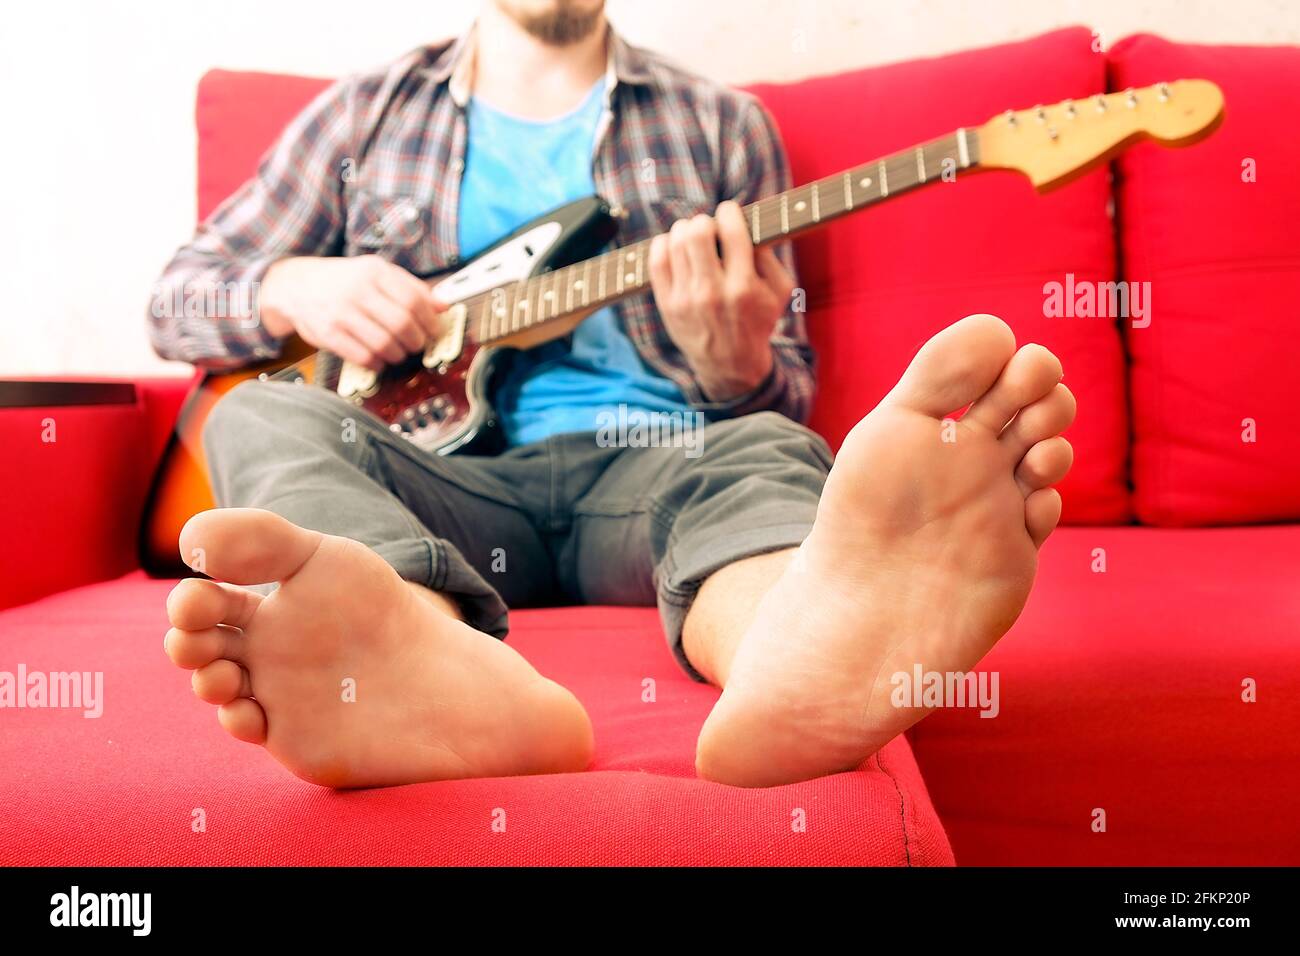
(348, 346)
(367, 330)
(737, 246)
(661, 267)
(679, 261)
(397, 318)
(702, 249)
(774, 273)
(415, 296)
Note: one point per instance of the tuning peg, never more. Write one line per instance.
(1101, 103)
(1011, 117)
(1163, 89)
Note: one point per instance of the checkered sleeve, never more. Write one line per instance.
(204, 307)
(756, 167)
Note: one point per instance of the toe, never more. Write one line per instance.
(195, 604)
(191, 649)
(957, 366)
(1029, 376)
(1044, 464)
(1048, 416)
(1042, 512)
(221, 682)
(246, 545)
(244, 720)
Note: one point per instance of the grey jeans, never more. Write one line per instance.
(560, 521)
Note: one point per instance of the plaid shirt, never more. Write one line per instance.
(373, 166)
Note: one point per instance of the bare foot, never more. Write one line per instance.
(345, 675)
(923, 552)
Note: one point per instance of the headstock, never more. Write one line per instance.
(1053, 144)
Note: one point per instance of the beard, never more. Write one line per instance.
(561, 25)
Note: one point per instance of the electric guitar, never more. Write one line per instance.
(539, 282)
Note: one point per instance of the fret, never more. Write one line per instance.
(500, 305)
(848, 192)
(785, 213)
(526, 303)
(600, 293)
(586, 283)
(754, 217)
(963, 151)
(485, 317)
(920, 163)
(816, 210)
(884, 180)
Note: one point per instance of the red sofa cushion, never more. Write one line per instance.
(122, 789)
(71, 507)
(882, 282)
(1222, 255)
(1122, 690)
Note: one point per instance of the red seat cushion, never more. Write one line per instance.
(1222, 254)
(882, 282)
(123, 789)
(1122, 691)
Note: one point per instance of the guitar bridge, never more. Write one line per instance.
(448, 348)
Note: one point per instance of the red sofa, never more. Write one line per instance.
(1150, 692)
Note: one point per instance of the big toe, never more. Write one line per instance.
(956, 366)
(246, 545)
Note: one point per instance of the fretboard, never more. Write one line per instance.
(606, 278)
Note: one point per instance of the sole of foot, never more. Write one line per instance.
(923, 552)
(345, 674)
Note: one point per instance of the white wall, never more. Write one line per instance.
(97, 98)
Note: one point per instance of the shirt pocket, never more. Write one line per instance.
(398, 228)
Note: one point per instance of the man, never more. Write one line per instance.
(797, 588)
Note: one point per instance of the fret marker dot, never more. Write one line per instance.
(630, 277)
(548, 296)
(800, 206)
(631, 257)
(865, 182)
(578, 285)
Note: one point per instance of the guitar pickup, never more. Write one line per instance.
(448, 348)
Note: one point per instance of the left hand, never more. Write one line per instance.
(719, 310)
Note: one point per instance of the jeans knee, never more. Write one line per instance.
(257, 415)
(771, 435)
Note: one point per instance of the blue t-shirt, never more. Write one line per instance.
(515, 170)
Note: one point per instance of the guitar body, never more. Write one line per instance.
(444, 408)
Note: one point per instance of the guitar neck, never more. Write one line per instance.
(552, 296)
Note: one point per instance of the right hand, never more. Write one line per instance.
(364, 309)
